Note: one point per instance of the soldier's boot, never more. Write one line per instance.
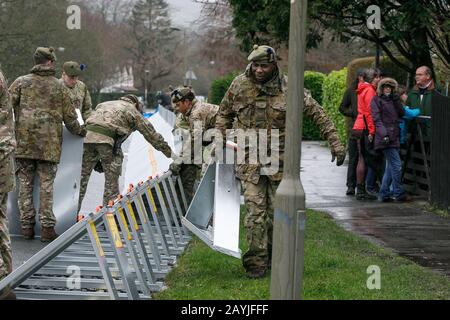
(28, 233)
(256, 273)
(7, 294)
(48, 234)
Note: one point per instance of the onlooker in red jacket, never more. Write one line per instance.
(366, 92)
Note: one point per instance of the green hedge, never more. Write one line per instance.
(334, 88)
(220, 86)
(314, 83)
(389, 68)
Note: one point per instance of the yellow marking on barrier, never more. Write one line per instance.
(114, 231)
(97, 239)
(133, 216)
(125, 223)
(142, 209)
(159, 190)
(152, 200)
(153, 162)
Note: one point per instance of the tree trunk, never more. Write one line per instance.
(421, 51)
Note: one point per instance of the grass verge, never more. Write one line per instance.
(336, 264)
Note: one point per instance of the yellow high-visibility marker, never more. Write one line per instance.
(125, 223)
(114, 230)
(133, 216)
(159, 190)
(153, 162)
(152, 200)
(140, 204)
(97, 239)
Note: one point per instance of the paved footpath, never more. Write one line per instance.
(406, 228)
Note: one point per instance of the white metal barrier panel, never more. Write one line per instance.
(123, 251)
(214, 214)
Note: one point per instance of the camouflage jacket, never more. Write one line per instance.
(204, 113)
(198, 119)
(122, 118)
(180, 122)
(7, 141)
(41, 104)
(249, 105)
(81, 99)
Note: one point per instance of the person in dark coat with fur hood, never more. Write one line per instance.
(387, 110)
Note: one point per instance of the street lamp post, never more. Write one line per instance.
(146, 88)
(289, 217)
(378, 53)
(186, 81)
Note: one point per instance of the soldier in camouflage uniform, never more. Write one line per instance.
(257, 100)
(108, 127)
(41, 104)
(78, 91)
(7, 181)
(191, 111)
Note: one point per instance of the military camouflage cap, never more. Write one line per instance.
(73, 69)
(46, 53)
(182, 93)
(135, 100)
(262, 54)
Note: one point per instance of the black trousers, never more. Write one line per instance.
(352, 162)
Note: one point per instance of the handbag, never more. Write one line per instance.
(369, 146)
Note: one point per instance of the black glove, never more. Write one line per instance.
(98, 167)
(386, 140)
(83, 131)
(338, 156)
(175, 168)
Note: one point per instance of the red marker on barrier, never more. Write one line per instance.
(98, 209)
(130, 188)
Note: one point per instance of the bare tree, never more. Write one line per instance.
(218, 44)
(153, 42)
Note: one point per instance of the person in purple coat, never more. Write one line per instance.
(387, 110)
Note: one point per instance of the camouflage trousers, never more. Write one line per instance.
(259, 203)
(5, 241)
(189, 174)
(112, 167)
(46, 171)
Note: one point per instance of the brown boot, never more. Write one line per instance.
(48, 234)
(7, 294)
(28, 233)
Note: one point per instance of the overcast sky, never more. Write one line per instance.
(184, 12)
